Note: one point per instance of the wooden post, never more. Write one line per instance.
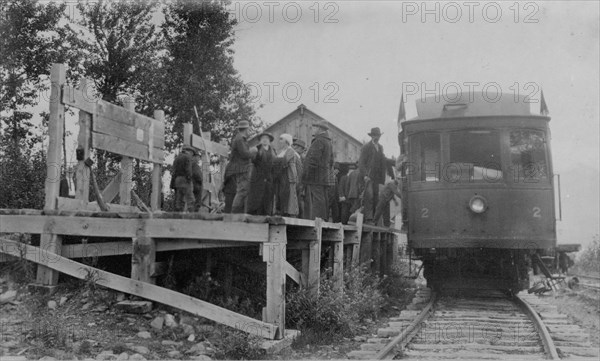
(83, 142)
(157, 173)
(390, 253)
(356, 247)
(126, 167)
(338, 261)
(187, 133)
(314, 260)
(305, 265)
(52, 242)
(366, 247)
(274, 254)
(376, 255)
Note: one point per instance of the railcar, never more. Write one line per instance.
(479, 189)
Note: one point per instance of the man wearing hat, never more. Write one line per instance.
(318, 165)
(181, 180)
(372, 166)
(300, 147)
(238, 167)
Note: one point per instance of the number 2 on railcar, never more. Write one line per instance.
(479, 189)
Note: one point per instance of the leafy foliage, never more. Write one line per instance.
(588, 260)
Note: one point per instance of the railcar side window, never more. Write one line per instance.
(474, 156)
(528, 155)
(425, 149)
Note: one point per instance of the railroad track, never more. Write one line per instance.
(481, 326)
(592, 282)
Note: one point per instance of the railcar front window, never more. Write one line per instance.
(474, 157)
(528, 155)
(426, 150)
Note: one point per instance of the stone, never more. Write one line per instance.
(134, 306)
(8, 296)
(52, 305)
(157, 323)
(140, 349)
(47, 358)
(360, 339)
(130, 319)
(174, 353)
(191, 338)
(86, 306)
(206, 328)
(63, 300)
(188, 329)
(106, 355)
(120, 297)
(170, 321)
(201, 358)
(144, 334)
(171, 343)
(14, 358)
(100, 308)
(123, 357)
(198, 349)
(186, 320)
(137, 357)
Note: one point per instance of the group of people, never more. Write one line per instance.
(294, 181)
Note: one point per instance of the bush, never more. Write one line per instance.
(237, 345)
(588, 260)
(331, 315)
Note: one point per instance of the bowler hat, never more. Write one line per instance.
(267, 134)
(321, 124)
(375, 131)
(243, 124)
(300, 143)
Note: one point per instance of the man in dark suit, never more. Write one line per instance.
(317, 168)
(372, 166)
(241, 155)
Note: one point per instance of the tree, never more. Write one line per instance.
(199, 63)
(31, 39)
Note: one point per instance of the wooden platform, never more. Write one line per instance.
(159, 231)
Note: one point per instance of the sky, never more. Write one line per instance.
(350, 62)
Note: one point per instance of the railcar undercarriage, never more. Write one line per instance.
(483, 268)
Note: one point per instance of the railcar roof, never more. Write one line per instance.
(473, 104)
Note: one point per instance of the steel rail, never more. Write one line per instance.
(584, 276)
(549, 347)
(406, 335)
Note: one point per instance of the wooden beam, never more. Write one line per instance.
(314, 261)
(274, 253)
(333, 235)
(376, 252)
(79, 98)
(56, 123)
(112, 189)
(118, 227)
(126, 115)
(70, 204)
(206, 145)
(139, 202)
(293, 273)
(129, 149)
(140, 289)
(82, 188)
(128, 133)
(126, 162)
(356, 246)
(156, 196)
(338, 262)
(143, 255)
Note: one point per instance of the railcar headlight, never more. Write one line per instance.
(478, 204)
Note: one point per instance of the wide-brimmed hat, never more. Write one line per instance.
(188, 148)
(375, 131)
(299, 143)
(321, 124)
(267, 134)
(243, 124)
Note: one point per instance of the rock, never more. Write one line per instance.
(120, 297)
(186, 320)
(123, 357)
(171, 343)
(206, 328)
(144, 334)
(140, 349)
(137, 357)
(47, 358)
(8, 296)
(100, 308)
(91, 324)
(86, 306)
(191, 338)
(135, 306)
(52, 305)
(157, 323)
(188, 329)
(360, 339)
(106, 355)
(201, 358)
(170, 321)
(174, 353)
(130, 319)
(197, 349)
(63, 300)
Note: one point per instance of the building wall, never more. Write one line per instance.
(345, 148)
